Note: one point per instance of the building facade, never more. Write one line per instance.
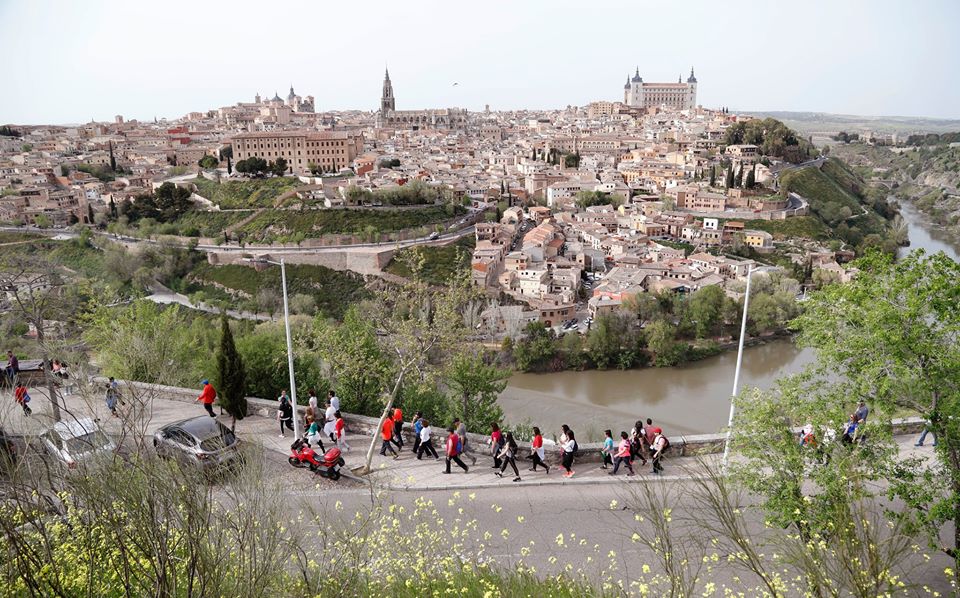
(332, 150)
(438, 118)
(679, 95)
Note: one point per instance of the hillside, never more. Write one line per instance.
(817, 122)
(845, 203)
(928, 176)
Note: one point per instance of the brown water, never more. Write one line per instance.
(691, 399)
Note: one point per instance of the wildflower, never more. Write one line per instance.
(519, 518)
(613, 504)
(559, 539)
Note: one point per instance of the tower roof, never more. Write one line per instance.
(636, 77)
(276, 97)
(627, 84)
(691, 78)
(386, 74)
(292, 95)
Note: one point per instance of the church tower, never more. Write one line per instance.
(386, 99)
(635, 96)
(691, 91)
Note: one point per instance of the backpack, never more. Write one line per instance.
(459, 445)
(666, 442)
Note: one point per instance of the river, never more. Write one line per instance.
(690, 399)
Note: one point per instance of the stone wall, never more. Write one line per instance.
(680, 445)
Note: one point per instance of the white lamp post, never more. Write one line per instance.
(736, 374)
(286, 324)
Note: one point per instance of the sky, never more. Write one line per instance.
(71, 61)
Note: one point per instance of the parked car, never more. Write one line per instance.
(200, 440)
(74, 441)
(434, 235)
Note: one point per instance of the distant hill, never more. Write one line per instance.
(822, 122)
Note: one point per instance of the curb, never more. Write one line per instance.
(638, 479)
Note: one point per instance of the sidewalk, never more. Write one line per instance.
(405, 473)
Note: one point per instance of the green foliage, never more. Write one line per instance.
(772, 136)
(102, 172)
(197, 223)
(8, 131)
(389, 163)
(332, 291)
(585, 199)
(536, 350)
(891, 337)
(231, 375)
(438, 263)
(254, 166)
(277, 225)
(614, 341)
(208, 162)
(264, 355)
(475, 386)
(168, 203)
(413, 193)
(705, 309)
(257, 193)
(808, 227)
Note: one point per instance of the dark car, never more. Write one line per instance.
(201, 440)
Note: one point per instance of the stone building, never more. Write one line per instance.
(331, 150)
(437, 118)
(679, 95)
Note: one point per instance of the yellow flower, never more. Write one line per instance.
(613, 504)
(646, 568)
(560, 539)
(519, 518)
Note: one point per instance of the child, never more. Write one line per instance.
(339, 427)
(22, 397)
(607, 449)
(536, 451)
(313, 435)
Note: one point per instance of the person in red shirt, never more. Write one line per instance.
(536, 450)
(386, 433)
(452, 451)
(398, 428)
(22, 398)
(339, 428)
(207, 397)
(622, 455)
(496, 445)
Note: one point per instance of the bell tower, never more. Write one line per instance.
(387, 103)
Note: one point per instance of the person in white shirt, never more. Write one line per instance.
(569, 449)
(312, 401)
(330, 417)
(657, 447)
(334, 400)
(426, 445)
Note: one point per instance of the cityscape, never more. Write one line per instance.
(636, 341)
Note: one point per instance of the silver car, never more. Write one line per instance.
(201, 441)
(78, 440)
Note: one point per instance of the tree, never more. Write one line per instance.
(890, 337)
(660, 340)
(738, 178)
(301, 303)
(207, 162)
(229, 165)
(729, 182)
(90, 217)
(279, 166)
(268, 300)
(752, 177)
(713, 175)
(113, 160)
(536, 349)
(314, 168)
(705, 308)
(231, 376)
(476, 386)
(612, 341)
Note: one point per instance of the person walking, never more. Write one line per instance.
(312, 401)
(606, 451)
(386, 434)
(623, 455)
(285, 412)
(398, 428)
(496, 444)
(658, 446)
(340, 427)
(453, 450)
(569, 450)
(22, 397)
(923, 435)
(639, 445)
(417, 427)
(12, 368)
(207, 396)
(314, 438)
(113, 397)
(461, 429)
(426, 444)
(508, 455)
(333, 399)
(536, 451)
(330, 422)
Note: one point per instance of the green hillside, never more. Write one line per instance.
(842, 200)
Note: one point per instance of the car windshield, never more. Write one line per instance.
(221, 438)
(79, 445)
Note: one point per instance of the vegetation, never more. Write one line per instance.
(333, 291)
(664, 329)
(257, 193)
(807, 227)
(773, 138)
(166, 204)
(413, 193)
(933, 139)
(284, 225)
(585, 199)
(8, 131)
(231, 376)
(439, 263)
(208, 162)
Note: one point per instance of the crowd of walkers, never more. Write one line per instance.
(645, 442)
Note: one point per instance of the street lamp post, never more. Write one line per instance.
(286, 324)
(736, 374)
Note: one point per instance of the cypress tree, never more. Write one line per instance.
(231, 375)
(738, 179)
(89, 214)
(752, 177)
(730, 177)
(713, 175)
(113, 161)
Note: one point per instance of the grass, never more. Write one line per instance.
(204, 224)
(439, 263)
(332, 290)
(256, 193)
(8, 237)
(799, 226)
(280, 225)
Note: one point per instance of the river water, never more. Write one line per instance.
(691, 399)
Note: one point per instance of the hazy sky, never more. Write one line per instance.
(70, 61)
